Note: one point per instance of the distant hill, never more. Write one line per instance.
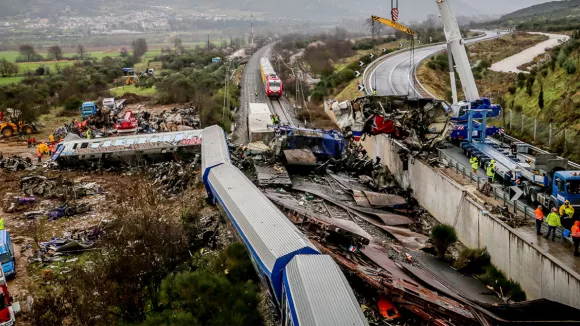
(410, 10)
(549, 10)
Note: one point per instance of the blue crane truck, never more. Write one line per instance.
(543, 177)
(480, 109)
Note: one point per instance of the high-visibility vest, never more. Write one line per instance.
(1, 223)
(575, 231)
(490, 171)
(567, 210)
(539, 214)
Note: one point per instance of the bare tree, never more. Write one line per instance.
(124, 53)
(26, 50)
(81, 51)
(55, 52)
(177, 42)
(140, 47)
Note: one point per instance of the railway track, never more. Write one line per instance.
(278, 108)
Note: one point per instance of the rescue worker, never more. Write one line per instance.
(474, 164)
(374, 91)
(567, 213)
(553, 221)
(256, 93)
(507, 179)
(29, 142)
(39, 155)
(1, 223)
(51, 138)
(276, 119)
(490, 172)
(89, 133)
(539, 218)
(576, 237)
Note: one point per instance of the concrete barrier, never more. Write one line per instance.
(541, 275)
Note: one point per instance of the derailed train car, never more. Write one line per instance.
(302, 282)
(149, 147)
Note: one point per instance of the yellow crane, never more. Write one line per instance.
(393, 24)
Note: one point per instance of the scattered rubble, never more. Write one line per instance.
(422, 124)
(57, 188)
(15, 163)
(173, 177)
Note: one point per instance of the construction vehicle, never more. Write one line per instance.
(459, 109)
(131, 80)
(88, 109)
(541, 177)
(128, 124)
(8, 128)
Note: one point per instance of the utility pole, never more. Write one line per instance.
(208, 42)
(252, 24)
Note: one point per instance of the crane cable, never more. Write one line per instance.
(375, 53)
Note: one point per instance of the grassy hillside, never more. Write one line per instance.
(554, 9)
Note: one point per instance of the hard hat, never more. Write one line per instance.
(567, 202)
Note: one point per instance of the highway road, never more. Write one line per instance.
(394, 76)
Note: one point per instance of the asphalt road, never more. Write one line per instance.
(394, 76)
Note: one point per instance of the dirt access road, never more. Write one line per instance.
(512, 63)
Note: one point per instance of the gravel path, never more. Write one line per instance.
(512, 63)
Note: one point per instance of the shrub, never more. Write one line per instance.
(512, 90)
(495, 278)
(443, 236)
(346, 75)
(72, 103)
(472, 261)
(570, 68)
(518, 108)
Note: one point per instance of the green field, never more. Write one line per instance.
(10, 80)
(120, 91)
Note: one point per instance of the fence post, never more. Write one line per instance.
(550, 137)
(522, 131)
(515, 207)
(564, 139)
(535, 126)
(511, 119)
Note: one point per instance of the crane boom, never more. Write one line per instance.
(457, 46)
(393, 24)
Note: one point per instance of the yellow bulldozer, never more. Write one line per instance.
(8, 128)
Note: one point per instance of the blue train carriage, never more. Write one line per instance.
(269, 236)
(214, 151)
(317, 293)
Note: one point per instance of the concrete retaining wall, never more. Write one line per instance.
(540, 275)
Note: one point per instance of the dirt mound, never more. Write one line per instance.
(134, 98)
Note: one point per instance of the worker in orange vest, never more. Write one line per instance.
(539, 218)
(576, 237)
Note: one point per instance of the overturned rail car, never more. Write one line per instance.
(128, 149)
